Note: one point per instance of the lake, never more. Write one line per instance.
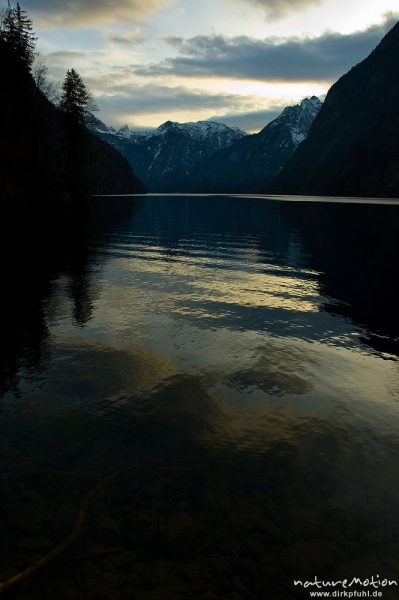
(222, 374)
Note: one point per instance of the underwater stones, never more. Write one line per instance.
(182, 526)
(193, 570)
(67, 592)
(142, 525)
(34, 545)
(108, 531)
(253, 517)
(154, 595)
(209, 596)
(307, 558)
(303, 524)
(28, 521)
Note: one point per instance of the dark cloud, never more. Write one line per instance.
(149, 98)
(322, 58)
(66, 55)
(86, 13)
(250, 121)
(277, 8)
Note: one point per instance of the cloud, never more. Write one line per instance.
(323, 58)
(250, 121)
(124, 39)
(121, 100)
(275, 9)
(64, 56)
(88, 13)
(150, 98)
(59, 61)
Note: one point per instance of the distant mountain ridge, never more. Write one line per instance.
(165, 158)
(353, 146)
(210, 156)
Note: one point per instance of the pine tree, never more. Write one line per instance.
(17, 32)
(76, 101)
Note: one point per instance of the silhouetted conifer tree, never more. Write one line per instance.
(76, 103)
(17, 31)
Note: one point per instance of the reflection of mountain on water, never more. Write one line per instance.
(355, 248)
(40, 252)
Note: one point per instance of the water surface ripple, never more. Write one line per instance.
(241, 355)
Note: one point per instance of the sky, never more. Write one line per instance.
(236, 61)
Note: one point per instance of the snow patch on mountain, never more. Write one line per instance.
(297, 119)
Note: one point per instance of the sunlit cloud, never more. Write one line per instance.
(124, 39)
(276, 9)
(84, 13)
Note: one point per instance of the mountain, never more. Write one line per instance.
(166, 157)
(252, 161)
(353, 146)
(33, 141)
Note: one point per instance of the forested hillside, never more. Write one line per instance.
(35, 143)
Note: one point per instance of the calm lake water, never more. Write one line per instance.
(228, 367)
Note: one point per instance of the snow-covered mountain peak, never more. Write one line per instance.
(296, 120)
(310, 106)
(124, 131)
(201, 130)
(167, 126)
(312, 101)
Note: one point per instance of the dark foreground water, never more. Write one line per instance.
(227, 367)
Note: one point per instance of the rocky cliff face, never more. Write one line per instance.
(353, 146)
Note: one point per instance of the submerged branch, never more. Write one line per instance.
(77, 531)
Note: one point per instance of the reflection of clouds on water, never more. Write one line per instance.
(279, 400)
(278, 370)
(105, 373)
(141, 404)
(287, 475)
(210, 280)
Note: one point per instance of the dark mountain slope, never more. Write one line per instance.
(353, 146)
(33, 157)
